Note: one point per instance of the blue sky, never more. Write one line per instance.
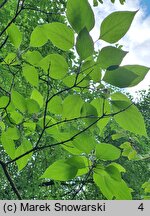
(136, 41)
(147, 4)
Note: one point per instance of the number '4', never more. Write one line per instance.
(141, 207)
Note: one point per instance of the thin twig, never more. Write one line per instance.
(84, 182)
(3, 3)
(14, 188)
(13, 19)
(4, 42)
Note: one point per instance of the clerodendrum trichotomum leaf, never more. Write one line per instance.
(84, 45)
(116, 25)
(80, 15)
(60, 35)
(128, 117)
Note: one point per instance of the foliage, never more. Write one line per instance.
(56, 110)
(95, 2)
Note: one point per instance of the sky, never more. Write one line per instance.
(136, 41)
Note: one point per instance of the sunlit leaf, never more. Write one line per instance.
(55, 105)
(36, 95)
(60, 170)
(84, 45)
(116, 25)
(60, 35)
(72, 106)
(38, 37)
(55, 64)
(23, 148)
(8, 144)
(129, 117)
(80, 15)
(105, 151)
(31, 75)
(15, 35)
(109, 56)
(4, 101)
(19, 101)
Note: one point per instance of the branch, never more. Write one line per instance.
(70, 120)
(13, 19)
(68, 140)
(14, 188)
(3, 3)
(84, 182)
(4, 42)
(47, 98)
(6, 92)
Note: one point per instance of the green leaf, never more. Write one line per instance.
(116, 25)
(76, 161)
(85, 143)
(30, 125)
(32, 106)
(117, 136)
(84, 45)
(4, 100)
(31, 75)
(120, 77)
(69, 80)
(109, 56)
(122, 191)
(110, 184)
(38, 37)
(23, 148)
(113, 172)
(119, 167)
(14, 133)
(100, 181)
(146, 187)
(139, 70)
(57, 65)
(2, 126)
(122, 1)
(90, 68)
(95, 3)
(11, 107)
(128, 151)
(11, 59)
(60, 35)
(33, 57)
(96, 74)
(89, 110)
(101, 105)
(61, 137)
(80, 15)
(61, 171)
(84, 170)
(8, 144)
(15, 35)
(55, 105)
(130, 119)
(106, 151)
(51, 124)
(19, 101)
(36, 95)
(16, 117)
(72, 106)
